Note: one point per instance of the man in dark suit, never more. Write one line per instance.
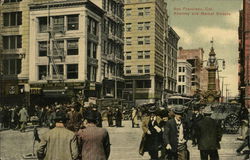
(175, 136)
(196, 117)
(110, 117)
(208, 134)
(99, 116)
(93, 140)
(151, 133)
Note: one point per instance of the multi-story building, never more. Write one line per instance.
(195, 58)
(244, 53)
(65, 49)
(56, 52)
(112, 47)
(145, 25)
(14, 42)
(184, 74)
(171, 48)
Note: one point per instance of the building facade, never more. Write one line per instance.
(244, 53)
(14, 42)
(184, 74)
(65, 50)
(195, 58)
(144, 36)
(73, 53)
(112, 47)
(171, 49)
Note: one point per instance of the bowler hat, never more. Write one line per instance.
(90, 115)
(152, 109)
(178, 110)
(60, 117)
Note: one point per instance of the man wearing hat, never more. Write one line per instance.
(23, 114)
(93, 140)
(208, 134)
(75, 119)
(152, 133)
(175, 136)
(58, 143)
(98, 114)
(196, 116)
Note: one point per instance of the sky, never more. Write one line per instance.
(216, 18)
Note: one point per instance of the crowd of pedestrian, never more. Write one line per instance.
(165, 131)
(17, 117)
(169, 132)
(86, 142)
(13, 117)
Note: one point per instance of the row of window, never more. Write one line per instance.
(140, 11)
(12, 42)
(11, 66)
(182, 69)
(140, 26)
(12, 18)
(140, 40)
(140, 55)
(112, 27)
(112, 69)
(71, 71)
(58, 47)
(92, 26)
(138, 84)
(9, 1)
(92, 49)
(91, 73)
(59, 24)
(140, 69)
(115, 8)
(110, 47)
(181, 89)
(181, 78)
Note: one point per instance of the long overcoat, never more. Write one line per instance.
(23, 114)
(94, 142)
(135, 116)
(58, 144)
(145, 144)
(208, 133)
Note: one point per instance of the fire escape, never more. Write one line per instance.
(55, 47)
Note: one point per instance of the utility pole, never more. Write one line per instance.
(222, 98)
(227, 92)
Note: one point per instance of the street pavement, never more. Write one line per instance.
(124, 144)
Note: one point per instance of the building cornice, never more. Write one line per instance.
(67, 4)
